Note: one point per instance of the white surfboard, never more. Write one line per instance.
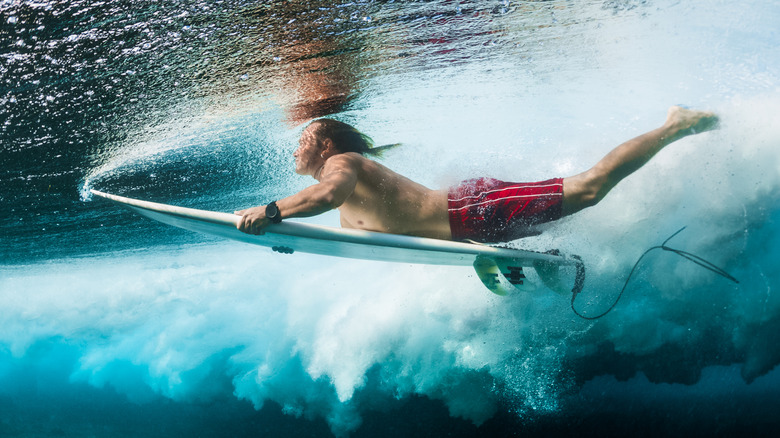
(288, 237)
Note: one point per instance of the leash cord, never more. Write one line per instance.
(692, 257)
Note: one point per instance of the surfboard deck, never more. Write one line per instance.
(288, 237)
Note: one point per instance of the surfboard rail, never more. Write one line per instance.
(289, 236)
(298, 230)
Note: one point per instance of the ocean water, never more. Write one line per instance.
(113, 325)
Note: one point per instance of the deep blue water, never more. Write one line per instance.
(112, 325)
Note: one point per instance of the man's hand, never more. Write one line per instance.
(253, 220)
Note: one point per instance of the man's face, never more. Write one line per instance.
(307, 156)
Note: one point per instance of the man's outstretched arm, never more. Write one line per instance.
(337, 182)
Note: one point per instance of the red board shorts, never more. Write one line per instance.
(489, 210)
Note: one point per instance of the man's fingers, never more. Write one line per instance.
(242, 224)
(255, 230)
(245, 225)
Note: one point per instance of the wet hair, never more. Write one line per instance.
(346, 138)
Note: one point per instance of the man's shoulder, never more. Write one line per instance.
(345, 162)
(365, 168)
(349, 159)
(352, 156)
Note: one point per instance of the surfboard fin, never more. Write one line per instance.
(503, 275)
(550, 274)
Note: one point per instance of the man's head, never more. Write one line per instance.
(324, 138)
(344, 137)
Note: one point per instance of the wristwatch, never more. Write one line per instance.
(272, 212)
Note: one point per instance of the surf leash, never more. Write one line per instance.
(692, 257)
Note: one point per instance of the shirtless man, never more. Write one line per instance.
(372, 197)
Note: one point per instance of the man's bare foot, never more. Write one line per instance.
(688, 122)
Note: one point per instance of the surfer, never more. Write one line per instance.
(369, 196)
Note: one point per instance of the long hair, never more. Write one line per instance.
(346, 138)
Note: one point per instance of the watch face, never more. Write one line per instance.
(272, 212)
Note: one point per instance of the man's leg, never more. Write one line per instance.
(590, 187)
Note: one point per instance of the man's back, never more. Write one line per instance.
(387, 202)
